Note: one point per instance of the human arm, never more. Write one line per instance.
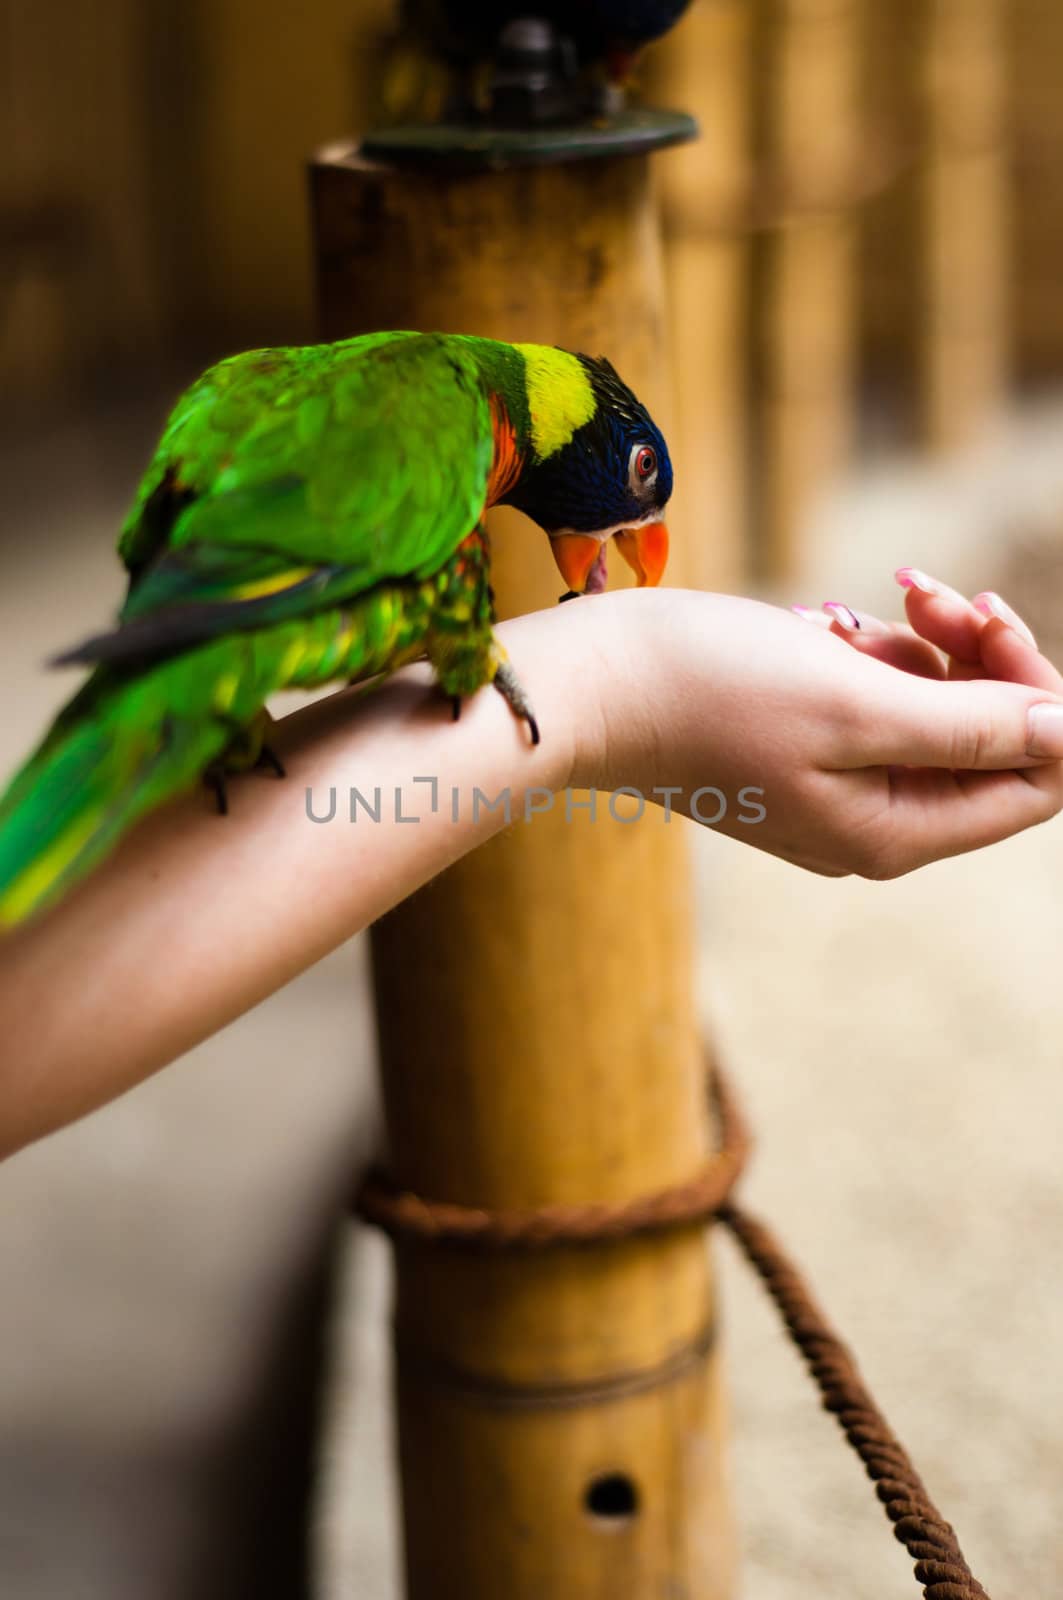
(196, 919)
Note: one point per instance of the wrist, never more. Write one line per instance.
(616, 734)
(649, 654)
(570, 659)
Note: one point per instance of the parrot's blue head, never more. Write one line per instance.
(598, 469)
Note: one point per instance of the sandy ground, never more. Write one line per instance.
(897, 1046)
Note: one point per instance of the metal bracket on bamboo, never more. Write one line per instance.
(470, 147)
(940, 1566)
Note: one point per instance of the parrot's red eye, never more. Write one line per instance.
(645, 463)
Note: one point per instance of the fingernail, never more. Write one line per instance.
(856, 621)
(912, 578)
(842, 614)
(991, 605)
(817, 619)
(1044, 731)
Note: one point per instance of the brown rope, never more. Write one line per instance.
(931, 1542)
(398, 1211)
(917, 1523)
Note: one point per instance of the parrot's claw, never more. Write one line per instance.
(571, 594)
(242, 756)
(455, 707)
(214, 778)
(511, 689)
(269, 759)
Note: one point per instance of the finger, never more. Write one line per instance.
(936, 814)
(891, 643)
(980, 725)
(990, 604)
(959, 627)
(1007, 648)
(941, 615)
(1007, 655)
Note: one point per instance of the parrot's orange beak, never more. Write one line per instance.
(645, 550)
(576, 555)
(580, 557)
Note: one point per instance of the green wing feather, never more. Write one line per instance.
(290, 479)
(287, 483)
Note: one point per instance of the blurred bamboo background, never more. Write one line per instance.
(845, 242)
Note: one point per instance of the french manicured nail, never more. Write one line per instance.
(913, 578)
(817, 619)
(1044, 731)
(991, 605)
(855, 621)
(845, 616)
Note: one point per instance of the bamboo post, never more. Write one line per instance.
(807, 346)
(967, 219)
(1035, 133)
(706, 65)
(889, 286)
(559, 1413)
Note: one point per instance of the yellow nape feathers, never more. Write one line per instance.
(560, 397)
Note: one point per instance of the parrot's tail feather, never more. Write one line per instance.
(145, 638)
(143, 730)
(94, 775)
(183, 623)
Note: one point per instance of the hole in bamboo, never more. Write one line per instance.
(612, 1497)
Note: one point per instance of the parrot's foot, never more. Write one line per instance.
(455, 707)
(214, 778)
(512, 691)
(245, 752)
(269, 760)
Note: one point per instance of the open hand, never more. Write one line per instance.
(878, 748)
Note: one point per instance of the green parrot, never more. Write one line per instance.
(316, 514)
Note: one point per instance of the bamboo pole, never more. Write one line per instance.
(705, 65)
(967, 220)
(560, 1413)
(807, 349)
(889, 286)
(1035, 133)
